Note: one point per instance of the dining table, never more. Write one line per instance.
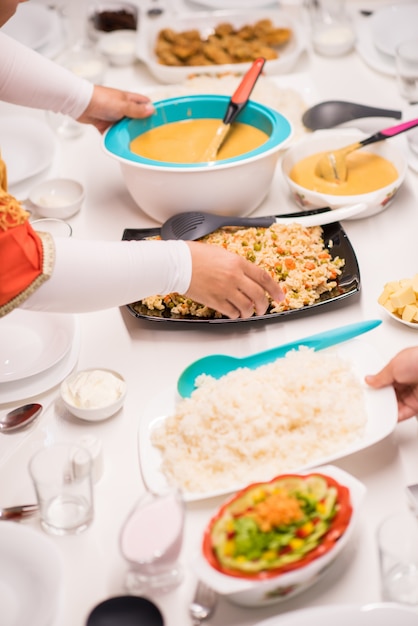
(150, 355)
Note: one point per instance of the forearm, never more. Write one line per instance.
(29, 79)
(93, 275)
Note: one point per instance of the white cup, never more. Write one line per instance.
(406, 57)
(397, 540)
(62, 477)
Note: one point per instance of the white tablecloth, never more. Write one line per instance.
(151, 356)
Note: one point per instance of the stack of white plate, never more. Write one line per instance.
(38, 351)
(379, 35)
(37, 27)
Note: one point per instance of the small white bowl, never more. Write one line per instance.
(59, 198)
(323, 140)
(53, 226)
(93, 394)
(413, 325)
(267, 591)
(119, 47)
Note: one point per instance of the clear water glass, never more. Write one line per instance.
(62, 477)
(151, 541)
(397, 540)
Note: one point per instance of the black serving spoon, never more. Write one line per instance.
(126, 611)
(334, 112)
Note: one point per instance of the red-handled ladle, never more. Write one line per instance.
(332, 166)
(237, 102)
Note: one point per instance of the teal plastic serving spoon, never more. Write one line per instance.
(217, 365)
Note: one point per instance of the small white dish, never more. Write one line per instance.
(118, 46)
(392, 24)
(378, 614)
(378, 61)
(28, 146)
(333, 39)
(31, 25)
(31, 576)
(59, 198)
(413, 325)
(93, 394)
(32, 342)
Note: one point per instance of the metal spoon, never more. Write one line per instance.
(333, 112)
(20, 417)
(332, 166)
(195, 224)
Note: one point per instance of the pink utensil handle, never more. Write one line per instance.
(399, 128)
(244, 89)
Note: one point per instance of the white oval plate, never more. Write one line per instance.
(27, 145)
(205, 22)
(31, 342)
(32, 25)
(381, 409)
(31, 572)
(392, 24)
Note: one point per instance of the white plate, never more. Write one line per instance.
(365, 47)
(27, 145)
(31, 342)
(205, 23)
(39, 383)
(31, 573)
(381, 409)
(32, 25)
(378, 614)
(391, 25)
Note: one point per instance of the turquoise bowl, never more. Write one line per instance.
(234, 186)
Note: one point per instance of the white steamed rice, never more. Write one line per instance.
(254, 424)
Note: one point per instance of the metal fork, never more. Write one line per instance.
(203, 603)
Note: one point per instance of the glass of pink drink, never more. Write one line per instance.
(151, 540)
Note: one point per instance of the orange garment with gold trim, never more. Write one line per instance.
(26, 257)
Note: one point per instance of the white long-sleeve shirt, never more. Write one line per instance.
(30, 79)
(88, 275)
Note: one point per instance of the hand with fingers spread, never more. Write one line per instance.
(229, 283)
(402, 373)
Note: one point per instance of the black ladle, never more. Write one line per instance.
(334, 112)
(125, 611)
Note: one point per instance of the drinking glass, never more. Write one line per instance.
(397, 540)
(406, 58)
(62, 477)
(151, 541)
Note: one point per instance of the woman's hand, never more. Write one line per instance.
(228, 283)
(402, 373)
(108, 105)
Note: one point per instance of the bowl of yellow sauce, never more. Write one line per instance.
(163, 158)
(374, 173)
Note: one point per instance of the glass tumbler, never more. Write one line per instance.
(151, 540)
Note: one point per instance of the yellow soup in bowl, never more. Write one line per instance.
(187, 141)
(366, 172)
